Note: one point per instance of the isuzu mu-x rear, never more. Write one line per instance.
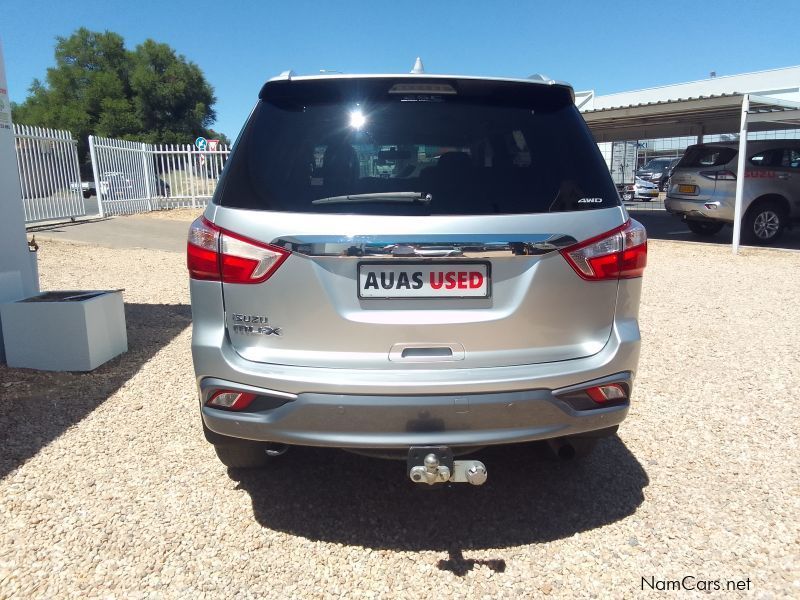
(417, 265)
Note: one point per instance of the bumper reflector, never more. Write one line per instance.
(229, 400)
(606, 393)
(597, 396)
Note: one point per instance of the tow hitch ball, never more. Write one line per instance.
(435, 464)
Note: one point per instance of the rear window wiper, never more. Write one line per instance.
(410, 197)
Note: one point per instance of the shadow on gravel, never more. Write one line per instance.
(38, 406)
(335, 496)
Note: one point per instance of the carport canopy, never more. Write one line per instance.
(700, 116)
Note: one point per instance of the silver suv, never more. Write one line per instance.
(415, 266)
(702, 188)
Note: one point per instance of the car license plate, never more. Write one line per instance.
(423, 280)
(687, 189)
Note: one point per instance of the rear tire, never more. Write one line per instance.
(242, 455)
(704, 228)
(764, 223)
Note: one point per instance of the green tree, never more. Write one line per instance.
(97, 86)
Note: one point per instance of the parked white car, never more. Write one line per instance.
(645, 190)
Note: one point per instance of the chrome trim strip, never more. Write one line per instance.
(426, 246)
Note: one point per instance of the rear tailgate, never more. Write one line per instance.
(531, 308)
(687, 182)
(423, 219)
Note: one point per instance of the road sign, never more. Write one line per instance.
(213, 145)
(202, 159)
(201, 143)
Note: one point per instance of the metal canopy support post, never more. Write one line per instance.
(740, 175)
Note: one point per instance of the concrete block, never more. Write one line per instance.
(64, 330)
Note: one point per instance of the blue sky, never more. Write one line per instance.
(608, 47)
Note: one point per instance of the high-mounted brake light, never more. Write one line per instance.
(229, 400)
(617, 254)
(214, 254)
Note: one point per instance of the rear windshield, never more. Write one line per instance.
(373, 147)
(657, 165)
(706, 156)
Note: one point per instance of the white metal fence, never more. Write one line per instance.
(49, 175)
(132, 177)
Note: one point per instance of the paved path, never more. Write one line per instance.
(120, 232)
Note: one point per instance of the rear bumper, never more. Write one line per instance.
(641, 192)
(399, 408)
(350, 421)
(708, 210)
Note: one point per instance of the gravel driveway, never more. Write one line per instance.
(108, 488)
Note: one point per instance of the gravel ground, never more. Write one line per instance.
(108, 488)
(175, 214)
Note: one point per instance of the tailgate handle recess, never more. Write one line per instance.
(426, 352)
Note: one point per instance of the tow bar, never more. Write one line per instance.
(435, 464)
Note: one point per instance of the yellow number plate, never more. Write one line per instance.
(687, 189)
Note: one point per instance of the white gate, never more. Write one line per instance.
(49, 175)
(132, 177)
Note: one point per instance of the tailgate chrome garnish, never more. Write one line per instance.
(422, 246)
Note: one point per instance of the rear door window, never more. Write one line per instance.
(767, 158)
(351, 146)
(791, 158)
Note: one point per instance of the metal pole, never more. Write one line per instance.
(96, 174)
(147, 178)
(190, 168)
(740, 175)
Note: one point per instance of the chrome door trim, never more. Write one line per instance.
(426, 246)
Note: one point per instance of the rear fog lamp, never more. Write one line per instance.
(229, 400)
(606, 393)
(598, 396)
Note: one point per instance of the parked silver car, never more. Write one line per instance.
(483, 290)
(645, 190)
(703, 188)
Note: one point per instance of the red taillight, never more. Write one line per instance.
(202, 251)
(607, 393)
(229, 400)
(719, 175)
(617, 254)
(218, 255)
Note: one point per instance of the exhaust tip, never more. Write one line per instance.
(274, 450)
(561, 449)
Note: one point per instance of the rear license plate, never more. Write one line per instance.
(427, 280)
(687, 189)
